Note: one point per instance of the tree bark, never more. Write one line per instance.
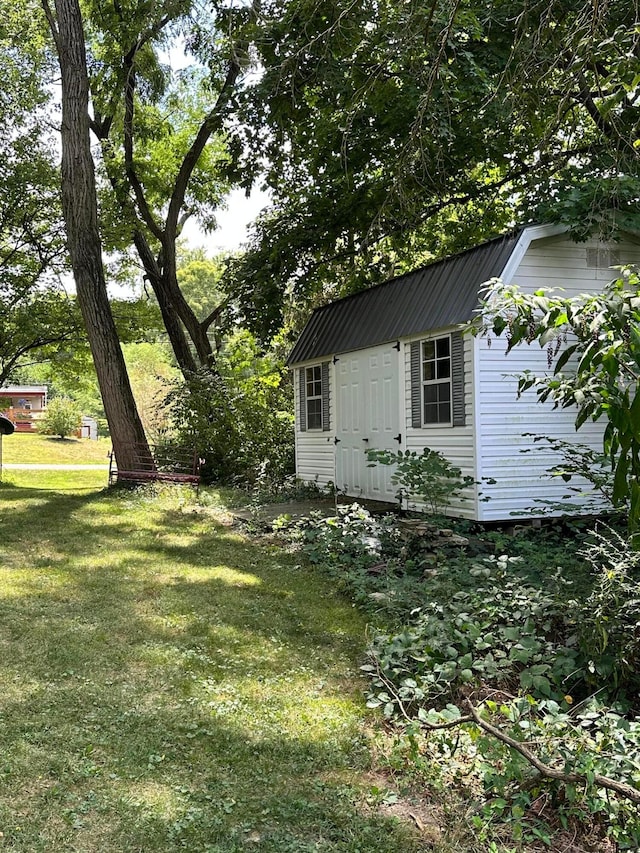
(80, 209)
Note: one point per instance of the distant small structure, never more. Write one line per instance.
(88, 428)
(23, 405)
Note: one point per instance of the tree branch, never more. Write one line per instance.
(211, 123)
(546, 770)
(213, 316)
(51, 20)
(132, 175)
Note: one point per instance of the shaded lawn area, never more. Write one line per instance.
(167, 685)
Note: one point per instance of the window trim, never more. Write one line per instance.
(424, 383)
(315, 379)
(458, 407)
(323, 397)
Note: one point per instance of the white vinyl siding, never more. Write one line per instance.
(314, 448)
(503, 419)
(455, 443)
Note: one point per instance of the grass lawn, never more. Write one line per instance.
(168, 685)
(24, 447)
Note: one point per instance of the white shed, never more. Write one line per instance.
(361, 362)
(88, 428)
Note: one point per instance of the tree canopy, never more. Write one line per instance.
(34, 310)
(389, 133)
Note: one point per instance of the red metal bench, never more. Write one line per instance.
(158, 463)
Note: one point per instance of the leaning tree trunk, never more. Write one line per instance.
(80, 208)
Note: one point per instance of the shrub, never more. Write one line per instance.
(62, 417)
(526, 661)
(610, 617)
(506, 634)
(428, 477)
(514, 651)
(239, 418)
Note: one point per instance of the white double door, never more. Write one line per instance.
(368, 407)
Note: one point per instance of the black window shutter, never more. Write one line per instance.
(325, 396)
(416, 386)
(302, 375)
(457, 378)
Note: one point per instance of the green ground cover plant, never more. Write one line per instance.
(168, 685)
(511, 678)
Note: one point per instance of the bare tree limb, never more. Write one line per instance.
(621, 788)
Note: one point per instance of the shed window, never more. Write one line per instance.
(314, 397)
(436, 381)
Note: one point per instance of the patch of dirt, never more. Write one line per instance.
(418, 810)
(426, 817)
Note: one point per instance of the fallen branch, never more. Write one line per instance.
(546, 770)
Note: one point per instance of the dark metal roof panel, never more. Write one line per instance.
(441, 294)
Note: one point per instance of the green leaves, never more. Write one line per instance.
(427, 476)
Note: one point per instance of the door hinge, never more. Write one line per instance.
(336, 440)
(396, 346)
(398, 437)
(335, 359)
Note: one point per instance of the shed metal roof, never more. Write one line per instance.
(441, 294)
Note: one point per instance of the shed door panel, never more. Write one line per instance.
(368, 416)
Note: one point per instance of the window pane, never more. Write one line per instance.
(442, 347)
(431, 393)
(431, 413)
(436, 375)
(443, 369)
(314, 414)
(428, 350)
(314, 381)
(437, 403)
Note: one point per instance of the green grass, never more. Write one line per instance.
(59, 481)
(167, 685)
(47, 450)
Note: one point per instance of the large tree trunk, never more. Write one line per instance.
(80, 208)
